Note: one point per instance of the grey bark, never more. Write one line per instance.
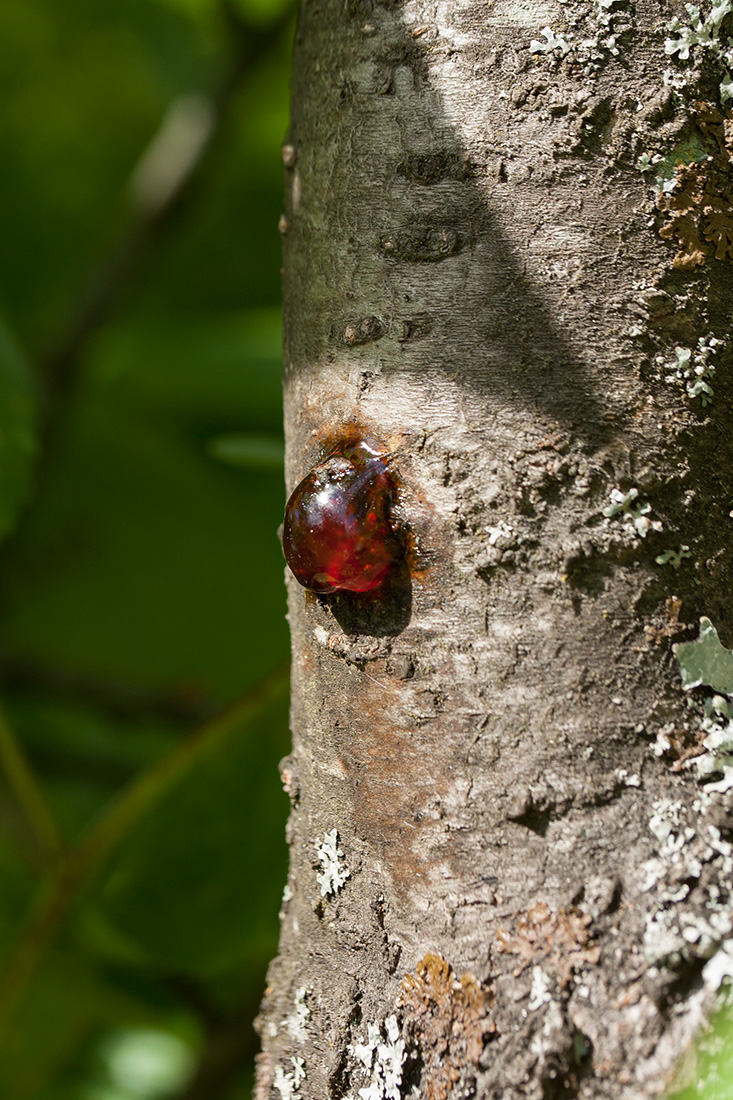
(474, 279)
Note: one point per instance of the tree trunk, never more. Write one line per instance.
(527, 876)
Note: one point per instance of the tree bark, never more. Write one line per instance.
(527, 878)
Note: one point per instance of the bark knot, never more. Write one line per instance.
(421, 244)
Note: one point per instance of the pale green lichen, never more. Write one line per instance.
(665, 185)
(694, 368)
(703, 32)
(690, 151)
(647, 161)
(591, 51)
(637, 515)
(673, 557)
(705, 662)
(698, 30)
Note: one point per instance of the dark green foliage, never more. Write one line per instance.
(17, 431)
(199, 857)
(142, 855)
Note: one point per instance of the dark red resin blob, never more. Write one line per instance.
(338, 535)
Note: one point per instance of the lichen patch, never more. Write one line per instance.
(448, 1020)
(559, 939)
(698, 201)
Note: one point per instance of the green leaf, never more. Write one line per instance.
(708, 1075)
(17, 431)
(705, 661)
(249, 449)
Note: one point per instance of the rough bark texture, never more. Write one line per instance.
(475, 280)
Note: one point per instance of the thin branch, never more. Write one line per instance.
(61, 889)
(117, 698)
(111, 281)
(29, 795)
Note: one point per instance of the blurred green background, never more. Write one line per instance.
(143, 644)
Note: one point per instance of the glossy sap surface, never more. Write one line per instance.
(338, 534)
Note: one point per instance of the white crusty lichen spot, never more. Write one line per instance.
(627, 779)
(691, 913)
(674, 933)
(288, 1084)
(522, 13)
(554, 1025)
(382, 1059)
(296, 1023)
(334, 873)
(500, 530)
(540, 992)
(666, 825)
(717, 723)
(553, 43)
(719, 968)
(625, 506)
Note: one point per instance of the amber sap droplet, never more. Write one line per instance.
(338, 535)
